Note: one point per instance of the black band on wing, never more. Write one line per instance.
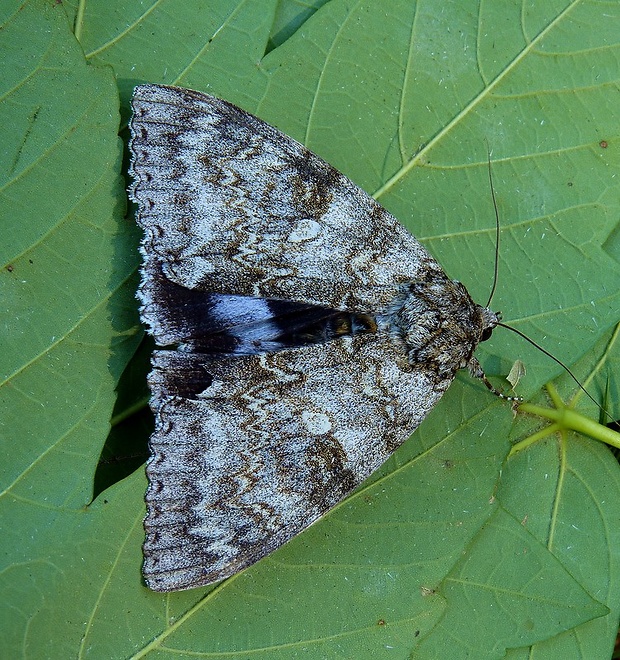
(213, 323)
(290, 325)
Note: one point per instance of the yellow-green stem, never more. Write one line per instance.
(569, 419)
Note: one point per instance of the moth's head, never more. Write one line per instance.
(488, 321)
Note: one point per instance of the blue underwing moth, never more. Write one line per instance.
(303, 334)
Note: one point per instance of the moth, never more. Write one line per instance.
(304, 334)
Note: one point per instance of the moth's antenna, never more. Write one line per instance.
(568, 371)
(508, 327)
(496, 268)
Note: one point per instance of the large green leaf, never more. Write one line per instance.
(449, 549)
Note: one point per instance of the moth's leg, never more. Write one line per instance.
(476, 371)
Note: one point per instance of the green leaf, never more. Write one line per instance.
(67, 282)
(290, 16)
(520, 590)
(68, 313)
(428, 557)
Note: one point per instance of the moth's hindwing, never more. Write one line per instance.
(270, 445)
(306, 334)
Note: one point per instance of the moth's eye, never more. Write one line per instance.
(486, 333)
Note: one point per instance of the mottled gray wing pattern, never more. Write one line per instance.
(271, 445)
(251, 447)
(208, 175)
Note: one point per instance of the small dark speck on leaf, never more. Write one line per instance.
(603, 144)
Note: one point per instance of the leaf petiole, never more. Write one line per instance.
(565, 418)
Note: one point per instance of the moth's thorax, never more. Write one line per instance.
(440, 323)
